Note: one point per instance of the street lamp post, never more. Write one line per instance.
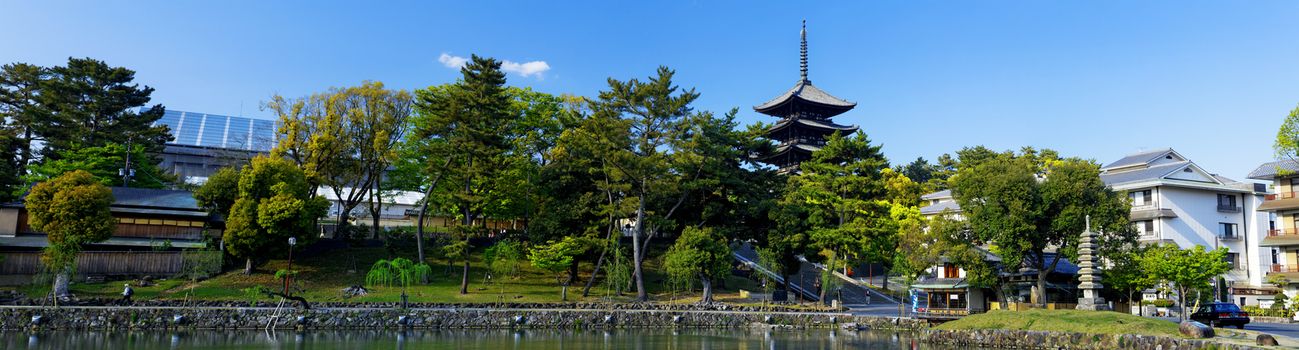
(288, 273)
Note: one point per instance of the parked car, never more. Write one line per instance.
(1221, 315)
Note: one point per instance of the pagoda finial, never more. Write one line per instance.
(802, 53)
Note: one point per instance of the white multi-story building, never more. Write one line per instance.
(1176, 201)
(1281, 244)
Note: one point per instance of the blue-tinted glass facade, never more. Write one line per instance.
(263, 134)
(237, 134)
(214, 130)
(187, 128)
(211, 130)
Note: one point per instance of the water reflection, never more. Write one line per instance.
(744, 339)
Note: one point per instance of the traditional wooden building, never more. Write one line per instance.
(805, 113)
(154, 227)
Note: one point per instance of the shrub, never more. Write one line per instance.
(1158, 302)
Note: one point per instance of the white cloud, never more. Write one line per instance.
(453, 62)
(525, 69)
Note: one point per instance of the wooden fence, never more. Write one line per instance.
(102, 263)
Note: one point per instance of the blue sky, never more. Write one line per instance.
(1096, 79)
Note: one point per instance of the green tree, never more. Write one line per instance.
(399, 271)
(106, 164)
(919, 170)
(502, 259)
(219, 193)
(1125, 271)
(274, 203)
(19, 115)
(699, 254)
(1007, 207)
(843, 191)
(557, 258)
(88, 103)
(11, 166)
(473, 121)
(344, 138)
(647, 117)
(1187, 270)
(423, 157)
(72, 210)
(1286, 144)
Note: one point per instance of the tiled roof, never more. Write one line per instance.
(1137, 158)
(154, 198)
(940, 207)
(805, 91)
(1147, 174)
(937, 195)
(1269, 170)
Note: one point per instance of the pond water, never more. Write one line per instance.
(469, 339)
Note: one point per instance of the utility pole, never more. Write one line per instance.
(126, 172)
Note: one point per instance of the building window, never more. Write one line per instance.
(1140, 198)
(1144, 227)
(1233, 259)
(1227, 230)
(950, 271)
(1226, 202)
(1276, 257)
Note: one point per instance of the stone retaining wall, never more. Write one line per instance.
(1013, 339)
(257, 318)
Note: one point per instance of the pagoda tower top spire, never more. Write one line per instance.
(804, 100)
(802, 52)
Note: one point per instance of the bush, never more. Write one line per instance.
(1158, 302)
(1268, 312)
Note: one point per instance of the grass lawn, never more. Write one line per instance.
(1094, 322)
(322, 277)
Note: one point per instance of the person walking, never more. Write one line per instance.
(127, 292)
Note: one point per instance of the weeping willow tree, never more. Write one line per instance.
(399, 271)
(618, 273)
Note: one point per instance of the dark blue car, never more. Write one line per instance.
(1221, 315)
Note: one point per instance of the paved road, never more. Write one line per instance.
(1283, 329)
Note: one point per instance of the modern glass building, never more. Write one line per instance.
(204, 143)
(220, 131)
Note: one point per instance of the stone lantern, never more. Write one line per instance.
(1091, 281)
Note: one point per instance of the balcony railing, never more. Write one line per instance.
(1284, 268)
(1282, 232)
(1281, 195)
(1228, 208)
(1229, 236)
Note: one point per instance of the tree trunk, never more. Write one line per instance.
(637, 252)
(419, 226)
(784, 275)
(1041, 287)
(586, 291)
(376, 208)
(464, 279)
(1181, 303)
(248, 266)
(886, 281)
(708, 289)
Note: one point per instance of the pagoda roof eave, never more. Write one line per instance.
(805, 93)
(798, 148)
(824, 126)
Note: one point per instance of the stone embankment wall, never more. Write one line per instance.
(1014, 339)
(103, 318)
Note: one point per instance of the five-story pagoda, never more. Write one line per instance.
(804, 113)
